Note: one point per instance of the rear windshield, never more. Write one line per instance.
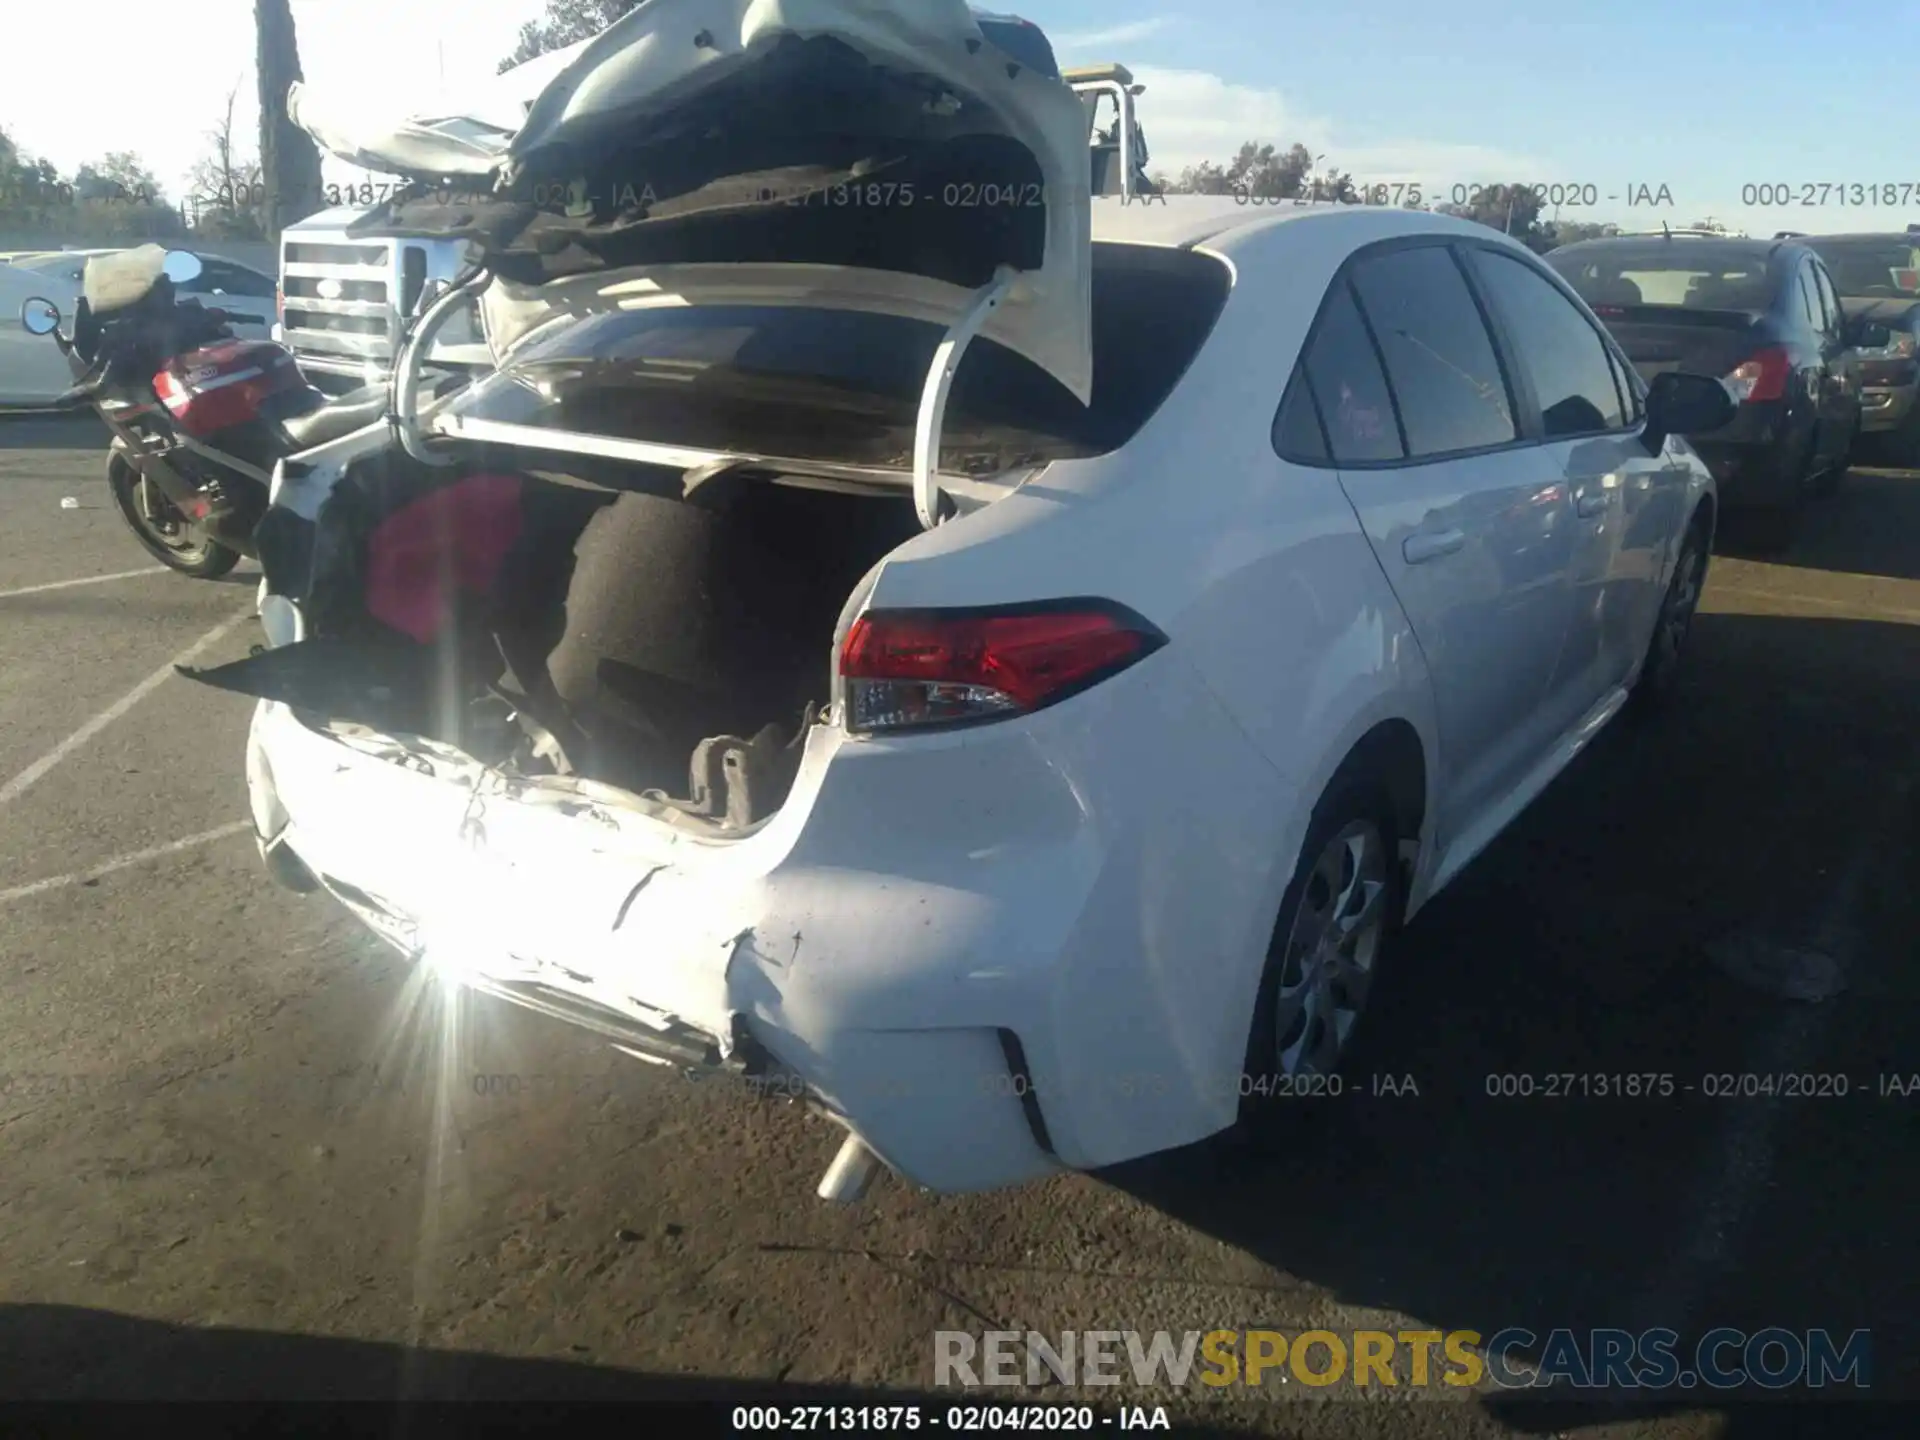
(1882, 267)
(834, 385)
(1668, 273)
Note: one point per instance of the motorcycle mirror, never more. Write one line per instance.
(180, 266)
(39, 317)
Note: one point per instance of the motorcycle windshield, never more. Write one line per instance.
(821, 137)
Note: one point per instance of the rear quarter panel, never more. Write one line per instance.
(1262, 578)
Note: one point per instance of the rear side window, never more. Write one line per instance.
(1810, 300)
(1836, 312)
(1297, 434)
(1439, 358)
(1561, 352)
(844, 386)
(1344, 370)
(1629, 392)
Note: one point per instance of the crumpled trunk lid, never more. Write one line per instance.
(832, 138)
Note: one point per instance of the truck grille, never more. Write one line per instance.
(338, 305)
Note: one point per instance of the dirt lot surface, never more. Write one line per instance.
(244, 1152)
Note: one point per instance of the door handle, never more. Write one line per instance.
(1588, 505)
(1431, 544)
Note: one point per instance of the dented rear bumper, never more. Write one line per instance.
(987, 954)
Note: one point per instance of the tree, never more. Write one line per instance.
(227, 191)
(566, 22)
(1569, 232)
(118, 177)
(117, 198)
(1264, 172)
(1206, 178)
(1511, 209)
(289, 160)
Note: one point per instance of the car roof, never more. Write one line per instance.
(1225, 222)
(1905, 237)
(1733, 244)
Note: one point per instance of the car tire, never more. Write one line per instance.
(1901, 446)
(1666, 647)
(1341, 910)
(1827, 483)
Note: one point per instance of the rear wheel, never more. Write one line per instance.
(1901, 446)
(1772, 527)
(1677, 609)
(1828, 481)
(1338, 914)
(166, 534)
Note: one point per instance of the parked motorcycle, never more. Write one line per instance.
(199, 418)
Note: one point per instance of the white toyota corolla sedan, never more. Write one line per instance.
(1031, 811)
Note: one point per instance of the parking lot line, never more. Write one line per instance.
(83, 580)
(122, 862)
(35, 772)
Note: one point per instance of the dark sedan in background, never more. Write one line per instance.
(1765, 318)
(1878, 277)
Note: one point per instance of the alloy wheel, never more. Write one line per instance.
(1683, 599)
(1326, 967)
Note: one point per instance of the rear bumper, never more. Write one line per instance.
(991, 957)
(1753, 458)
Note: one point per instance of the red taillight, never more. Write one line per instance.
(1764, 377)
(933, 667)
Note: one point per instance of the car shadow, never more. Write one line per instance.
(1868, 528)
(51, 430)
(1640, 919)
(65, 1353)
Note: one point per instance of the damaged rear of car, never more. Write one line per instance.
(691, 678)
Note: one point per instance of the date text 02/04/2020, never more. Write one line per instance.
(968, 1419)
(1717, 1085)
(1415, 194)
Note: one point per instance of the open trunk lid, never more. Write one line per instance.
(468, 135)
(829, 139)
(1659, 338)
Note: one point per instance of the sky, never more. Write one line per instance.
(1762, 116)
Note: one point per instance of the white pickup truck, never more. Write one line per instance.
(345, 298)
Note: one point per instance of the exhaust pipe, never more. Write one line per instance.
(851, 1174)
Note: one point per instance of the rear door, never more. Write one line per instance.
(1626, 503)
(1469, 518)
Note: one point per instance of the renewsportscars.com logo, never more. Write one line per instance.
(1721, 1359)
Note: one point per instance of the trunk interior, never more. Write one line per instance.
(673, 645)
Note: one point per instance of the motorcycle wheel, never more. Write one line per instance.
(166, 534)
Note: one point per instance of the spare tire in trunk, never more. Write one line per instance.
(674, 624)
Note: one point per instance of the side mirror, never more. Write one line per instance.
(39, 317)
(180, 266)
(1682, 404)
(1871, 335)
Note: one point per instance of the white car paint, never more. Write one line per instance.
(33, 372)
(465, 134)
(215, 287)
(1099, 878)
